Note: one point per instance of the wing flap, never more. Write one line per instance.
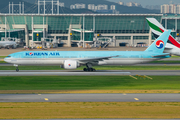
(96, 59)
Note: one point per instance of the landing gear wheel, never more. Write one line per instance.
(17, 70)
(89, 69)
(85, 69)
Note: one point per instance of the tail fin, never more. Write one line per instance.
(158, 29)
(155, 26)
(159, 44)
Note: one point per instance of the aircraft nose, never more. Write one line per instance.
(6, 60)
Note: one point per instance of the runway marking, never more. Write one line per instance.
(148, 77)
(46, 99)
(141, 76)
(124, 94)
(136, 99)
(133, 77)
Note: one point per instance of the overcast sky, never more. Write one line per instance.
(149, 2)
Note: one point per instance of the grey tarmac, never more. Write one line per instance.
(82, 73)
(89, 97)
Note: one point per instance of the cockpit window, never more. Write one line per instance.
(8, 56)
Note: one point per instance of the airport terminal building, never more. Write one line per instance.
(70, 29)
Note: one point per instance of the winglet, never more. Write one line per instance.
(159, 44)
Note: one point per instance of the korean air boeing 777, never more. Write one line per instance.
(75, 59)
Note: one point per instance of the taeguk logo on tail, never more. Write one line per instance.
(159, 44)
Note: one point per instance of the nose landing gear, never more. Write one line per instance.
(17, 70)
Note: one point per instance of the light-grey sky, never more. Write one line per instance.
(149, 2)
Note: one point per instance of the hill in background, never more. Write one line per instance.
(120, 8)
(31, 7)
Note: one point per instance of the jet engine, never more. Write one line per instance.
(70, 64)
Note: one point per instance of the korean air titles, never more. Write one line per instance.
(42, 54)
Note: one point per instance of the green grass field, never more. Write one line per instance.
(89, 83)
(175, 56)
(164, 67)
(49, 110)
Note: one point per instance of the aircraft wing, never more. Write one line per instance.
(95, 59)
(162, 55)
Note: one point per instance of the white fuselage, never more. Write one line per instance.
(60, 61)
(172, 49)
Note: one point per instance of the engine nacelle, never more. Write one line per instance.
(70, 64)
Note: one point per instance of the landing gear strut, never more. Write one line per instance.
(17, 70)
(89, 68)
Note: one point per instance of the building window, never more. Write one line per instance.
(58, 32)
(30, 31)
(140, 37)
(30, 37)
(123, 37)
(62, 37)
(51, 37)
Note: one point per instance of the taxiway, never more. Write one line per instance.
(82, 73)
(89, 97)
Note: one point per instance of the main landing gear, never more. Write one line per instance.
(17, 70)
(89, 68)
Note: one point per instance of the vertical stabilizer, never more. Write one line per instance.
(155, 26)
(159, 44)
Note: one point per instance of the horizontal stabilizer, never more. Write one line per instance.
(162, 55)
